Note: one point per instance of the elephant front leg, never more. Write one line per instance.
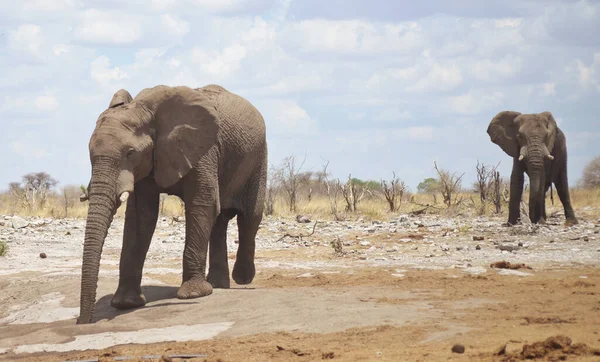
(200, 215)
(516, 192)
(562, 188)
(140, 221)
(218, 269)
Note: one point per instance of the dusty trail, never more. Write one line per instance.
(407, 289)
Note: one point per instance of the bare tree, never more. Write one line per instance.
(270, 195)
(290, 178)
(393, 192)
(591, 174)
(488, 186)
(70, 196)
(496, 186)
(450, 185)
(33, 190)
(332, 188)
(352, 193)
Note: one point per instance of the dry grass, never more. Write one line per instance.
(372, 208)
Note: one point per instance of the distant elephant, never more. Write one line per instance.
(207, 146)
(539, 148)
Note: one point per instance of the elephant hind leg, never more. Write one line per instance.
(218, 270)
(243, 269)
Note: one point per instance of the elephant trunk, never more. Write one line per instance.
(536, 156)
(102, 207)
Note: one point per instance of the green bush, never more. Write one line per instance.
(3, 248)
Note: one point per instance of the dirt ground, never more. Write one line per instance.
(407, 289)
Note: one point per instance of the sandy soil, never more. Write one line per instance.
(411, 288)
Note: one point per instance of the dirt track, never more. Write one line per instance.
(408, 289)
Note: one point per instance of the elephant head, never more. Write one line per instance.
(529, 138)
(162, 134)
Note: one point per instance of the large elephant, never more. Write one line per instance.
(539, 148)
(207, 146)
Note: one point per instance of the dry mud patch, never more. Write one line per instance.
(408, 289)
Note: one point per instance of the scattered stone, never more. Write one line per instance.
(19, 223)
(508, 248)
(445, 247)
(302, 219)
(365, 243)
(585, 238)
(478, 247)
(478, 238)
(43, 255)
(507, 265)
(458, 348)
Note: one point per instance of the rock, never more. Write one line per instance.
(478, 247)
(365, 243)
(585, 238)
(19, 223)
(445, 247)
(43, 255)
(478, 238)
(302, 219)
(458, 348)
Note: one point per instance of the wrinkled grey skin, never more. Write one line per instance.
(539, 148)
(207, 146)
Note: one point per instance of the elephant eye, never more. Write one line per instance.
(130, 153)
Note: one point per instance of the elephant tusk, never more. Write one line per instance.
(124, 196)
(550, 157)
(83, 197)
(521, 157)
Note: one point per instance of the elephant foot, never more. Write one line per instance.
(571, 222)
(219, 280)
(243, 272)
(127, 299)
(194, 288)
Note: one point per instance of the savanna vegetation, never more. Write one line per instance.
(293, 190)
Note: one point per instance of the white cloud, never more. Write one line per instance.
(28, 151)
(108, 27)
(174, 25)
(548, 89)
(220, 6)
(353, 36)
(489, 70)
(27, 38)
(291, 84)
(473, 103)
(587, 76)
(102, 72)
(285, 117)
(46, 102)
(439, 78)
(49, 6)
(220, 63)
(162, 5)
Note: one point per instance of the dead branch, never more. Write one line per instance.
(299, 236)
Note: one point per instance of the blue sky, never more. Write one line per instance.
(372, 86)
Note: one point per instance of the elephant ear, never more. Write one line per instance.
(503, 132)
(552, 129)
(119, 98)
(186, 128)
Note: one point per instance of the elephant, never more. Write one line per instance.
(539, 148)
(205, 145)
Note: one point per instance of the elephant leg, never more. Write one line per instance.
(516, 192)
(562, 188)
(201, 210)
(140, 221)
(218, 269)
(243, 269)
